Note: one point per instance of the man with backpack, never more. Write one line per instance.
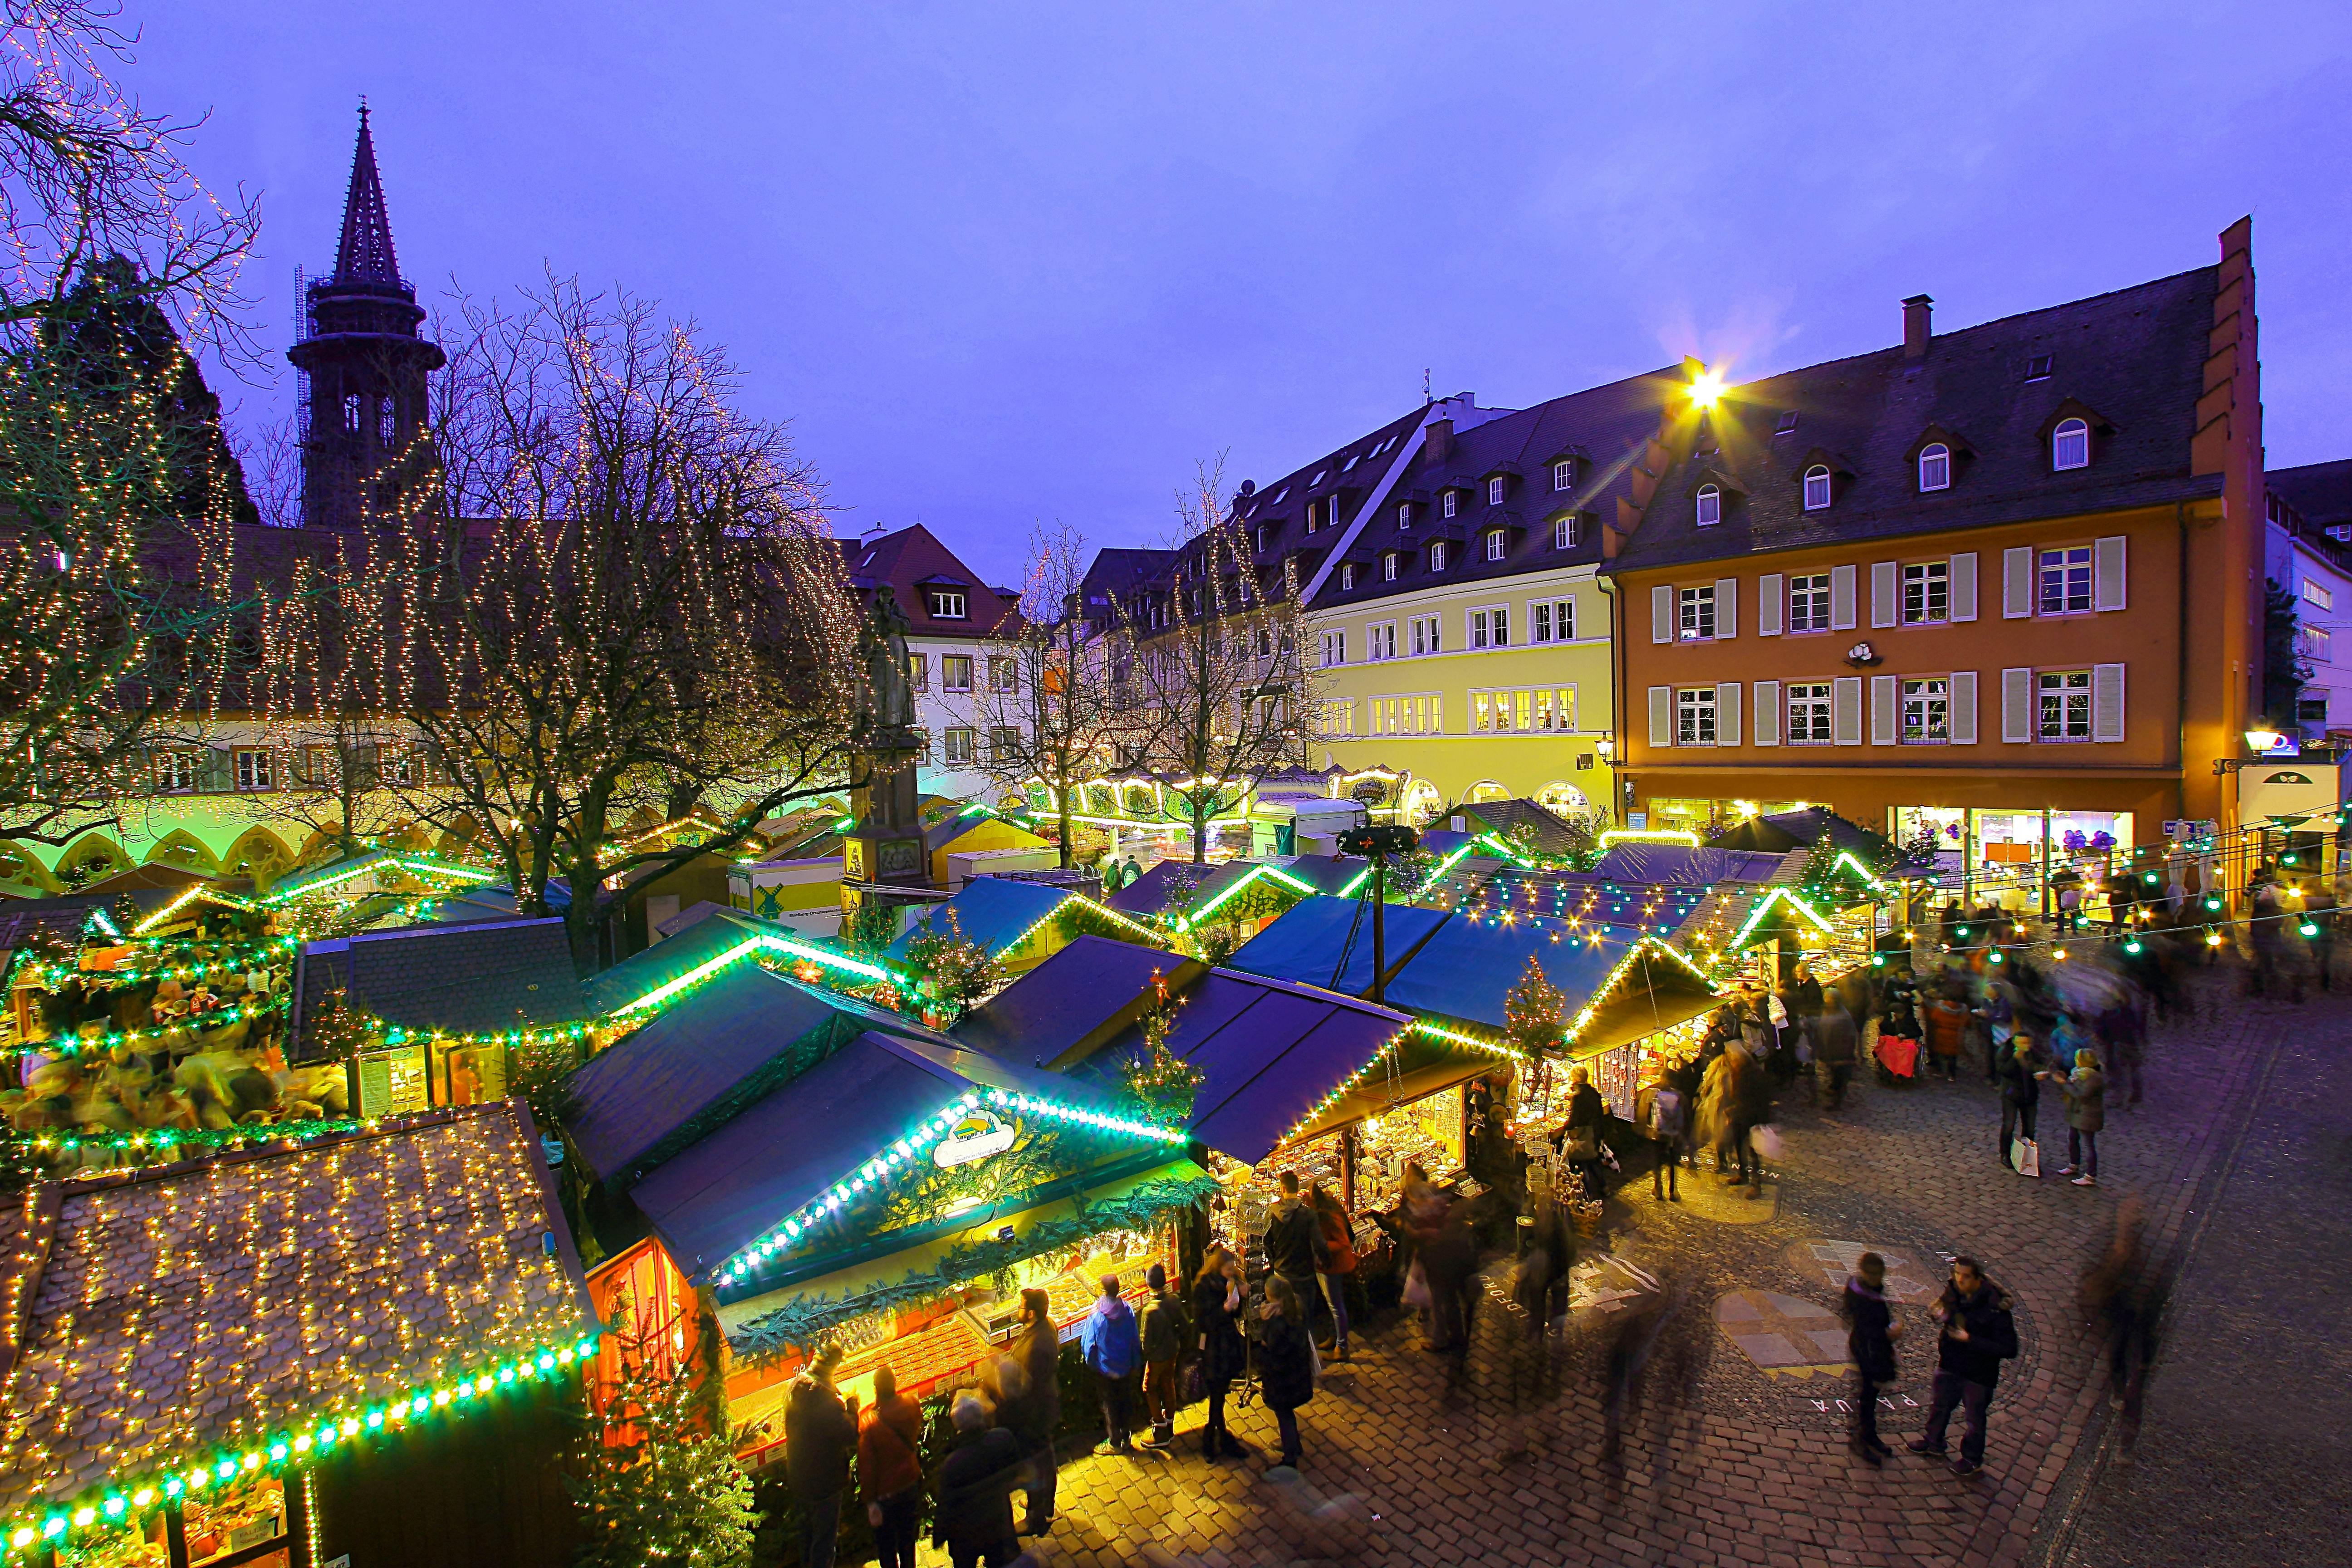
(1661, 1112)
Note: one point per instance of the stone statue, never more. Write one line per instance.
(889, 697)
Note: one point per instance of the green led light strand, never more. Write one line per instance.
(73, 1045)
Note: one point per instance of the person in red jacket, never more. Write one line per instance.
(1338, 1265)
(890, 1471)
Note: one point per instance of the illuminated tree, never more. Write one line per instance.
(621, 597)
(1221, 684)
(1534, 1011)
(657, 1485)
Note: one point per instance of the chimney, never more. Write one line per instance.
(1437, 440)
(1917, 312)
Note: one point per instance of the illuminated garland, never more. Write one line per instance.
(77, 1044)
(1499, 1048)
(31, 969)
(1764, 905)
(167, 1139)
(1387, 1049)
(114, 1497)
(332, 876)
(226, 901)
(1272, 873)
(874, 1171)
(1617, 975)
(759, 942)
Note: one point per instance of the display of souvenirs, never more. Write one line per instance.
(138, 1542)
(243, 1512)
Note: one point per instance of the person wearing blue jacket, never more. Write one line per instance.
(1114, 1349)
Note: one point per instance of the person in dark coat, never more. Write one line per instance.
(1580, 1134)
(1216, 1324)
(820, 1439)
(973, 1489)
(1872, 1330)
(1979, 1333)
(1294, 1244)
(2086, 1116)
(1835, 1048)
(1285, 1363)
(1449, 1260)
(1661, 1113)
(1540, 1286)
(1165, 1331)
(1801, 998)
(1033, 1411)
(2021, 1093)
(1748, 1103)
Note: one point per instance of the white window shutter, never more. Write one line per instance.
(1841, 599)
(1661, 715)
(2107, 573)
(2017, 582)
(1727, 608)
(2016, 706)
(1662, 614)
(1963, 705)
(1884, 587)
(1768, 589)
(1882, 710)
(2106, 702)
(1768, 712)
(1845, 709)
(1727, 713)
(1964, 586)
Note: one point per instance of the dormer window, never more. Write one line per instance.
(948, 604)
(1817, 488)
(1710, 505)
(1389, 567)
(1347, 576)
(1936, 468)
(1563, 474)
(1310, 517)
(1265, 537)
(1563, 532)
(1452, 503)
(1437, 556)
(2070, 445)
(1494, 491)
(1787, 425)
(1405, 517)
(1495, 543)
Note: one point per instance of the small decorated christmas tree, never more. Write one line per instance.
(957, 972)
(1534, 1011)
(1162, 1084)
(658, 1483)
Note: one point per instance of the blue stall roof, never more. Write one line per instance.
(995, 912)
(1072, 997)
(643, 972)
(1679, 865)
(1306, 943)
(1467, 968)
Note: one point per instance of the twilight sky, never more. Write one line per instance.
(1000, 263)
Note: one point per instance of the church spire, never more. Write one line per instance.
(365, 254)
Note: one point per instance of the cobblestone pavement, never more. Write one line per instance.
(1732, 1450)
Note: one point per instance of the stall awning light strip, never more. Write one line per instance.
(326, 1432)
(759, 942)
(1764, 905)
(1387, 1049)
(225, 900)
(334, 876)
(1505, 850)
(75, 1045)
(1271, 873)
(1439, 1032)
(1624, 967)
(879, 1166)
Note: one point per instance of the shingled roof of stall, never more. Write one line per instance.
(722, 931)
(1780, 832)
(1683, 866)
(1463, 972)
(481, 977)
(1549, 835)
(174, 1312)
(1269, 1051)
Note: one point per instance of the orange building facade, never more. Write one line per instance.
(1994, 586)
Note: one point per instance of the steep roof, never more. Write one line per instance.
(2321, 493)
(2130, 363)
(912, 560)
(178, 1310)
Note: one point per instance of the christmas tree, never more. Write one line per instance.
(1535, 1010)
(1162, 1084)
(658, 1483)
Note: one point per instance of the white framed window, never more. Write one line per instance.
(1449, 503)
(1697, 621)
(2316, 644)
(955, 672)
(1808, 603)
(1421, 713)
(1552, 620)
(1817, 488)
(949, 605)
(1808, 713)
(1490, 627)
(1265, 538)
(1004, 674)
(1335, 649)
(2070, 445)
(398, 765)
(1497, 542)
(1381, 640)
(2066, 575)
(2318, 593)
(1927, 592)
(1437, 555)
(1005, 743)
(1710, 505)
(1346, 575)
(918, 671)
(1563, 474)
(1936, 468)
(1695, 716)
(1494, 488)
(1425, 634)
(1405, 517)
(1335, 717)
(1927, 711)
(956, 743)
(2066, 704)
(256, 769)
(1563, 532)
(176, 772)
(1389, 567)
(1313, 510)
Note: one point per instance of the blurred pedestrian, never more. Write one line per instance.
(2086, 1116)
(1029, 1403)
(973, 1489)
(820, 1439)
(1748, 1103)
(1661, 1114)
(1580, 1134)
(1216, 1325)
(1336, 1270)
(2119, 1299)
(1540, 1286)
(1834, 1051)
(1948, 1022)
(1285, 1364)
(890, 1471)
(2020, 1098)
(1164, 1332)
(1872, 1330)
(1450, 1262)
(1979, 1332)
(2000, 1015)
(1113, 1349)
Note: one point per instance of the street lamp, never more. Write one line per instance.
(2262, 738)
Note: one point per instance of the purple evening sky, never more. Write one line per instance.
(998, 263)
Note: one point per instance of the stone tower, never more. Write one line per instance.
(363, 366)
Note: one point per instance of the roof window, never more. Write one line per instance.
(1936, 468)
(1710, 505)
(1787, 422)
(2038, 368)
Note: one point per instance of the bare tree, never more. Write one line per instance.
(1224, 683)
(1051, 720)
(623, 596)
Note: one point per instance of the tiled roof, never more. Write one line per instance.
(476, 978)
(1549, 833)
(2132, 363)
(911, 557)
(187, 1307)
(2322, 492)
